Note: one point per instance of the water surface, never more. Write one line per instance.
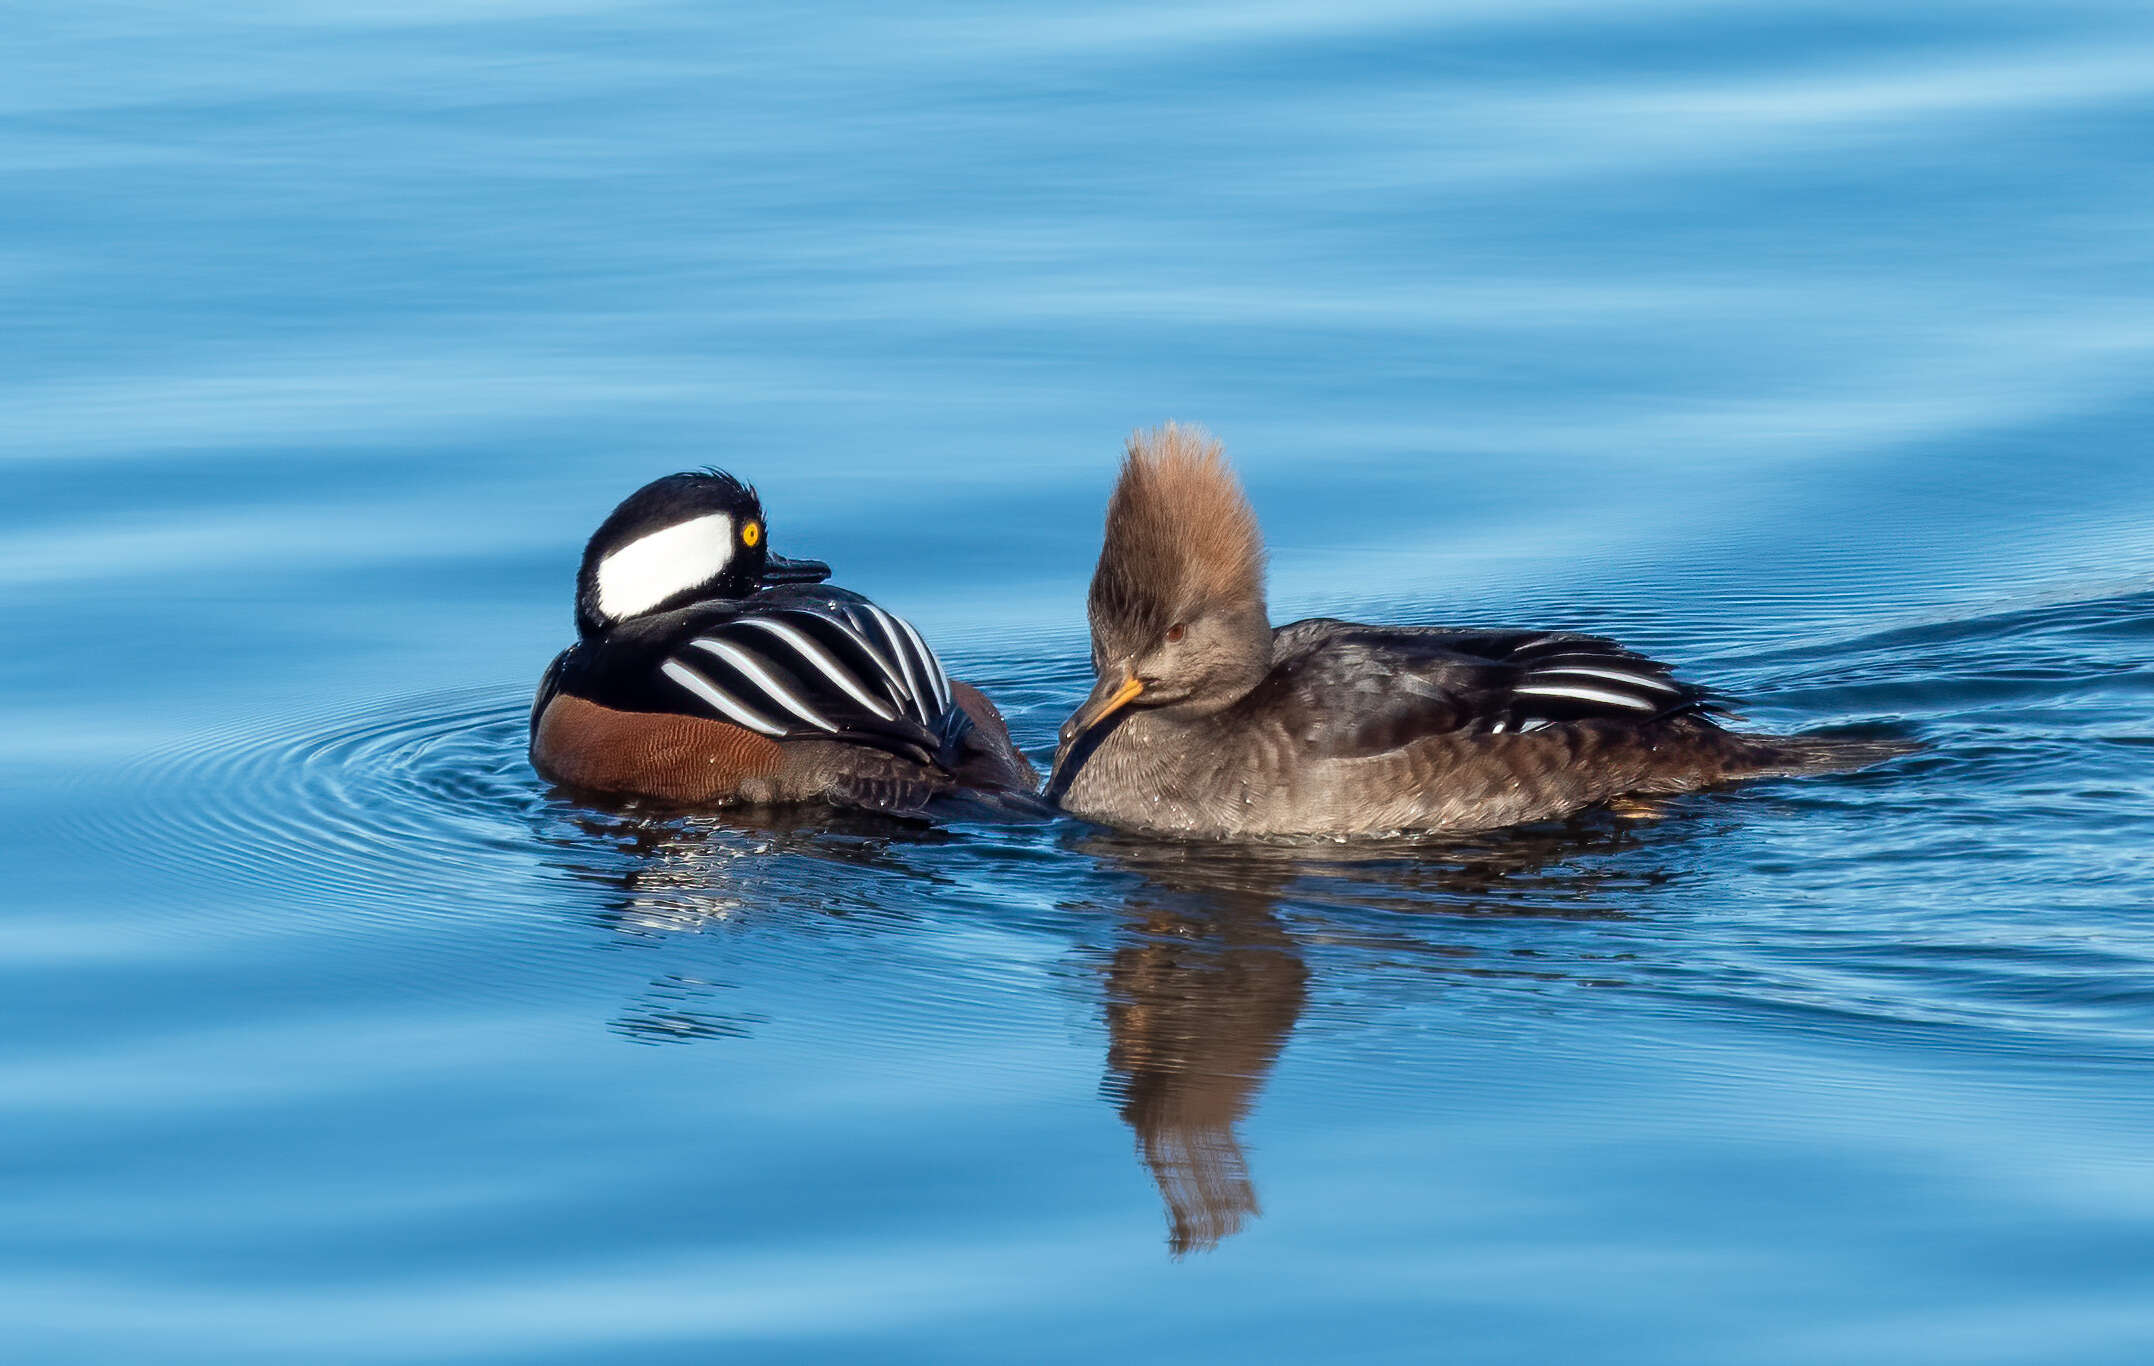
(1805, 346)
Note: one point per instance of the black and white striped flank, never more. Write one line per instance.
(843, 669)
(1565, 677)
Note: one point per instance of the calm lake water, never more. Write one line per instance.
(1810, 346)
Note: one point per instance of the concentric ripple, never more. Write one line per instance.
(424, 809)
(359, 811)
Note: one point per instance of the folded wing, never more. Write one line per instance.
(1350, 691)
(839, 670)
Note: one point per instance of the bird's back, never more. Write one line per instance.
(1363, 729)
(792, 693)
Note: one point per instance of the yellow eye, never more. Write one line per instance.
(750, 534)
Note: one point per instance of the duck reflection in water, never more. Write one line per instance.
(1203, 985)
(1205, 978)
(668, 872)
(1208, 979)
(1202, 991)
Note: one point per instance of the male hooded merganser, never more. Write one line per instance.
(1207, 722)
(708, 671)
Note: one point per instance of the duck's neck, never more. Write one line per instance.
(1152, 769)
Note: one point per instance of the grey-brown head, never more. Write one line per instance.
(1177, 602)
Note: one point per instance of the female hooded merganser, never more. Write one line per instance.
(709, 672)
(1207, 722)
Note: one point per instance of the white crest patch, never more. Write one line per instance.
(652, 568)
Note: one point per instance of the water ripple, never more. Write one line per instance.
(353, 811)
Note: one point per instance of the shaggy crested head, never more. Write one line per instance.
(1182, 542)
(1177, 606)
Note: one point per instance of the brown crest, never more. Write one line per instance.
(1181, 537)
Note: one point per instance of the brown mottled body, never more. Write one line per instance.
(1244, 772)
(1206, 722)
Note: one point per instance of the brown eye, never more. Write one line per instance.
(1176, 632)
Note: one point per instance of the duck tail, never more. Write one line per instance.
(1788, 756)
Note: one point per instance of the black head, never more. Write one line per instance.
(677, 540)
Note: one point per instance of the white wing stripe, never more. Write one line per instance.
(897, 647)
(758, 675)
(1537, 642)
(821, 658)
(850, 624)
(720, 700)
(933, 665)
(1614, 699)
(1612, 675)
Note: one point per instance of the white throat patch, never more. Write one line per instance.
(652, 568)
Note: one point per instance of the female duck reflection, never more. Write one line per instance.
(1203, 983)
(1207, 979)
(1204, 980)
(1202, 992)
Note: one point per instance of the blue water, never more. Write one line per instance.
(1810, 346)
